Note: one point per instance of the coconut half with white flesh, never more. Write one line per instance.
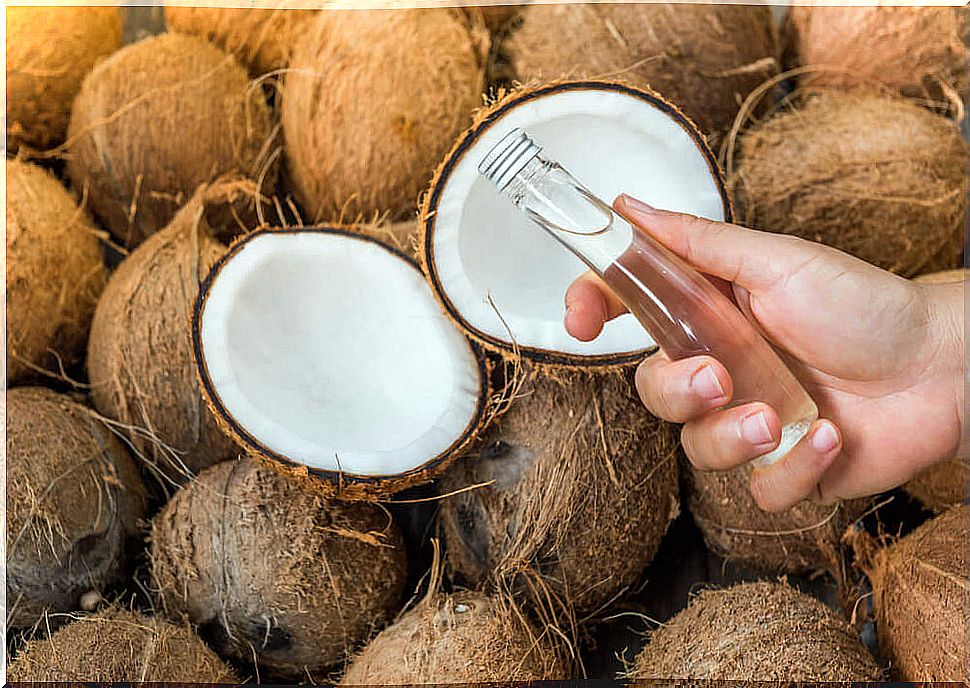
(324, 352)
(498, 275)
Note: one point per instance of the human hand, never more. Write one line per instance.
(881, 356)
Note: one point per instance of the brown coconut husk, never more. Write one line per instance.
(49, 52)
(55, 273)
(158, 119)
(140, 354)
(74, 502)
(704, 58)
(756, 632)
(372, 101)
(921, 597)
(493, 17)
(463, 638)
(878, 177)
(273, 572)
(575, 486)
(946, 483)
(118, 645)
(916, 51)
(261, 39)
(803, 539)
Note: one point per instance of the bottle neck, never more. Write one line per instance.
(526, 180)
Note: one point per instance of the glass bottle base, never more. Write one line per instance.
(791, 435)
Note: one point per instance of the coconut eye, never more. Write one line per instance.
(498, 449)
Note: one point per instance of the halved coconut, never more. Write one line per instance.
(499, 276)
(324, 351)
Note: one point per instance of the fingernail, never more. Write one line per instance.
(755, 430)
(824, 439)
(704, 381)
(637, 204)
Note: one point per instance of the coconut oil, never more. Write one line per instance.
(680, 308)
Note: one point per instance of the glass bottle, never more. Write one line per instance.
(681, 309)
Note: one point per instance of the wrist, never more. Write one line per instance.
(947, 307)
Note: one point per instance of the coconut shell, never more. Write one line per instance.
(260, 39)
(704, 58)
(464, 638)
(915, 51)
(55, 273)
(158, 119)
(756, 632)
(74, 502)
(582, 484)
(806, 538)
(877, 177)
(371, 103)
(49, 51)
(140, 354)
(947, 483)
(118, 645)
(921, 597)
(274, 572)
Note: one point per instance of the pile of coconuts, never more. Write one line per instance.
(152, 538)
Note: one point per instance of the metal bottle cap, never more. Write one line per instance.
(507, 158)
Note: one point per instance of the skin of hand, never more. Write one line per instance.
(882, 356)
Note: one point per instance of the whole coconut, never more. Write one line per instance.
(705, 59)
(140, 353)
(877, 177)
(118, 645)
(756, 632)
(805, 538)
(261, 39)
(916, 51)
(49, 51)
(921, 597)
(55, 273)
(372, 101)
(464, 638)
(273, 572)
(947, 483)
(74, 501)
(580, 484)
(158, 119)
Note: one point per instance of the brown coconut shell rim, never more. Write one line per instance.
(364, 485)
(485, 120)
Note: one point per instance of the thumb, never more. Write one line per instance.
(746, 257)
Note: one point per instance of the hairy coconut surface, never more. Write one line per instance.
(704, 58)
(921, 597)
(877, 177)
(917, 51)
(493, 17)
(140, 353)
(272, 571)
(756, 632)
(946, 483)
(118, 645)
(805, 538)
(55, 273)
(580, 484)
(464, 638)
(156, 120)
(372, 101)
(74, 500)
(49, 51)
(260, 38)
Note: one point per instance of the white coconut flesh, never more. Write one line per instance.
(503, 277)
(330, 351)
